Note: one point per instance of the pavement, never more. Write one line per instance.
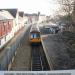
(22, 61)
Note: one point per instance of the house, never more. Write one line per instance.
(26, 19)
(35, 18)
(15, 14)
(42, 18)
(21, 20)
(32, 18)
(6, 27)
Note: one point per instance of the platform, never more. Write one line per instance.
(56, 52)
(22, 60)
(7, 54)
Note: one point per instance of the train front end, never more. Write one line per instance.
(35, 36)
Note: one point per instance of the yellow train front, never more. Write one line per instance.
(34, 36)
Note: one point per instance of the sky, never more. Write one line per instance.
(47, 7)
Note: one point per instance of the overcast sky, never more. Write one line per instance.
(47, 7)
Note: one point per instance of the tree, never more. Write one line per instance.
(73, 13)
(67, 6)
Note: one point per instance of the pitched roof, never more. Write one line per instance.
(5, 15)
(13, 12)
(2, 17)
(33, 14)
(27, 14)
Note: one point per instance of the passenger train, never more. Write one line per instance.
(34, 35)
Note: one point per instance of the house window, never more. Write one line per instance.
(4, 23)
(9, 22)
(3, 27)
(0, 42)
(5, 38)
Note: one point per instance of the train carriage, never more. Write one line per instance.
(34, 36)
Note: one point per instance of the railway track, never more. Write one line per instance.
(39, 63)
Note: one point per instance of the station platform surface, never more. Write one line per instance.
(56, 52)
(22, 60)
(22, 52)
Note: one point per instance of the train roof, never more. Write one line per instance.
(34, 28)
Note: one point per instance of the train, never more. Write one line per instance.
(34, 36)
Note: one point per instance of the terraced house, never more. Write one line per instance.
(21, 20)
(11, 21)
(6, 27)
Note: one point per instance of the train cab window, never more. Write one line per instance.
(33, 36)
(37, 35)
